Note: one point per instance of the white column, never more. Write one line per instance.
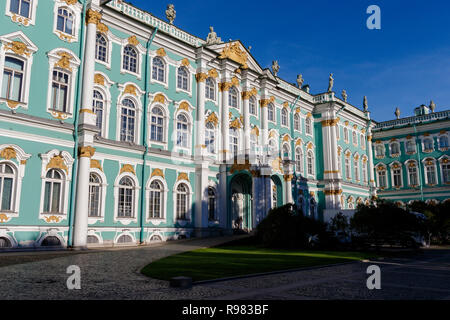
(288, 180)
(246, 105)
(370, 153)
(223, 198)
(225, 122)
(200, 137)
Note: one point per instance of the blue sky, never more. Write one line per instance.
(405, 64)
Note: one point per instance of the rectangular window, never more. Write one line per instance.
(382, 179)
(397, 173)
(12, 79)
(60, 89)
(413, 176)
(20, 7)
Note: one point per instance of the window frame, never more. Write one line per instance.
(17, 18)
(163, 200)
(162, 68)
(188, 193)
(75, 10)
(309, 122)
(434, 167)
(108, 49)
(396, 172)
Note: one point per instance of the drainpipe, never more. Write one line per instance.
(144, 133)
(75, 130)
(419, 165)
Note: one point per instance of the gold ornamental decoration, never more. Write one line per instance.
(213, 119)
(329, 123)
(255, 131)
(183, 176)
(70, 2)
(213, 73)
(240, 167)
(272, 134)
(159, 98)
(333, 192)
(99, 79)
(288, 177)
(57, 162)
(246, 95)
(265, 102)
(157, 173)
(20, 19)
(8, 153)
(130, 89)
(184, 106)
(235, 82)
(3, 218)
(86, 152)
(93, 17)
(64, 61)
(185, 62)
(286, 138)
(285, 104)
(236, 124)
(19, 48)
(201, 77)
(133, 41)
(53, 219)
(95, 164)
(310, 146)
(235, 53)
(102, 28)
(298, 142)
(161, 52)
(127, 168)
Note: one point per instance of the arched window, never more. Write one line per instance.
(362, 141)
(51, 241)
(274, 195)
(157, 125)
(443, 142)
(346, 135)
(348, 171)
(284, 117)
(428, 144)
(126, 198)
(310, 163)
(95, 195)
(101, 48)
(234, 141)
(65, 21)
(130, 57)
(182, 201)
(355, 142)
(356, 169)
(395, 148)
(308, 125)
(21, 7)
(98, 105)
(7, 184)
(382, 182)
(271, 112)
(210, 89)
(299, 160)
(252, 106)
(410, 146)
(286, 152)
(5, 243)
(53, 192)
(182, 131)
(155, 200)
(158, 70)
(297, 122)
(233, 97)
(125, 238)
(445, 171)
(430, 171)
(60, 91)
(412, 174)
(127, 121)
(210, 137)
(351, 205)
(211, 204)
(379, 151)
(397, 176)
(13, 75)
(364, 170)
(183, 79)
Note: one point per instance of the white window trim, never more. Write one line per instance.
(165, 110)
(355, 138)
(188, 115)
(346, 138)
(424, 163)
(394, 155)
(338, 133)
(216, 91)
(391, 166)
(104, 90)
(439, 142)
(364, 170)
(274, 121)
(125, 233)
(362, 141)
(76, 12)
(164, 194)
(377, 176)
(441, 164)
(67, 177)
(109, 39)
(140, 54)
(191, 77)
(302, 160)
(376, 145)
(53, 58)
(104, 187)
(238, 97)
(28, 63)
(414, 146)
(313, 163)
(216, 221)
(18, 18)
(422, 140)
(288, 145)
(299, 130)
(125, 220)
(167, 64)
(407, 163)
(312, 127)
(137, 100)
(182, 223)
(287, 118)
(256, 99)
(216, 133)
(356, 169)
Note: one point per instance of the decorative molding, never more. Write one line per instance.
(102, 28)
(246, 95)
(159, 98)
(255, 131)
(201, 77)
(8, 153)
(183, 176)
(18, 47)
(161, 52)
(86, 152)
(93, 17)
(265, 102)
(185, 62)
(157, 173)
(64, 61)
(127, 168)
(96, 164)
(133, 41)
(184, 106)
(234, 52)
(130, 89)
(330, 123)
(57, 162)
(213, 73)
(213, 119)
(99, 79)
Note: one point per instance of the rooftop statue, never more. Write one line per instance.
(397, 113)
(432, 106)
(171, 13)
(212, 38)
(365, 104)
(344, 95)
(275, 67)
(330, 83)
(300, 81)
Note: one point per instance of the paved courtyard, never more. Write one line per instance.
(114, 274)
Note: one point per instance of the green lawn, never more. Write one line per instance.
(227, 261)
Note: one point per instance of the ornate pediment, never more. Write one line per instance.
(234, 52)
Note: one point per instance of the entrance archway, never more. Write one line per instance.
(241, 205)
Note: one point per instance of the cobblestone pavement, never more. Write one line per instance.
(114, 274)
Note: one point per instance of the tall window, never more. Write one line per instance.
(211, 204)
(364, 171)
(157, 125)
(182, 131)
(412, 174)
(362, 141)
(13, 74)
(158, 70)
(310, 164)
(347, 168)
(397, 176)
(21, 7)
(252, 106)
(339, 158)
(126, 198)
(356, 169)
(65, 21)
(101, 48)
(127, 121)
(430, 171)
(297, 122)
(95, 195)
(183, 79)
(98, 108)
(182, 202)
(443, 142)
(395, 148)
(271, 112)
(53, 192)
(346, 135)
(379, 151)
(155, 200)
(210, 87)
(355, 142)
(410, 146)
(7, 178)
(130, 57)
(233, 97)
(428, 144)
(308, 126)
(60, 91)
(234, 141)
(446, 172)
(382, 182)
(286, 153)
(284, 117)
(299, 160)
(210, 137)
(272, 147)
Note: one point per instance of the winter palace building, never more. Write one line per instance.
(118, 128)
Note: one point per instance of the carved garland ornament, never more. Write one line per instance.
(157, 173)
(127, 168)
(159, 98)
(8, 153)
(246, 95)
(234, 52)
(213, 119)
(265, 102)
(183, 176)
(86, 152)
(93, 17)
(18, 47)
(95, 164)
(57, 162)
(99, 79)
(133, 41)
(64, 61)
